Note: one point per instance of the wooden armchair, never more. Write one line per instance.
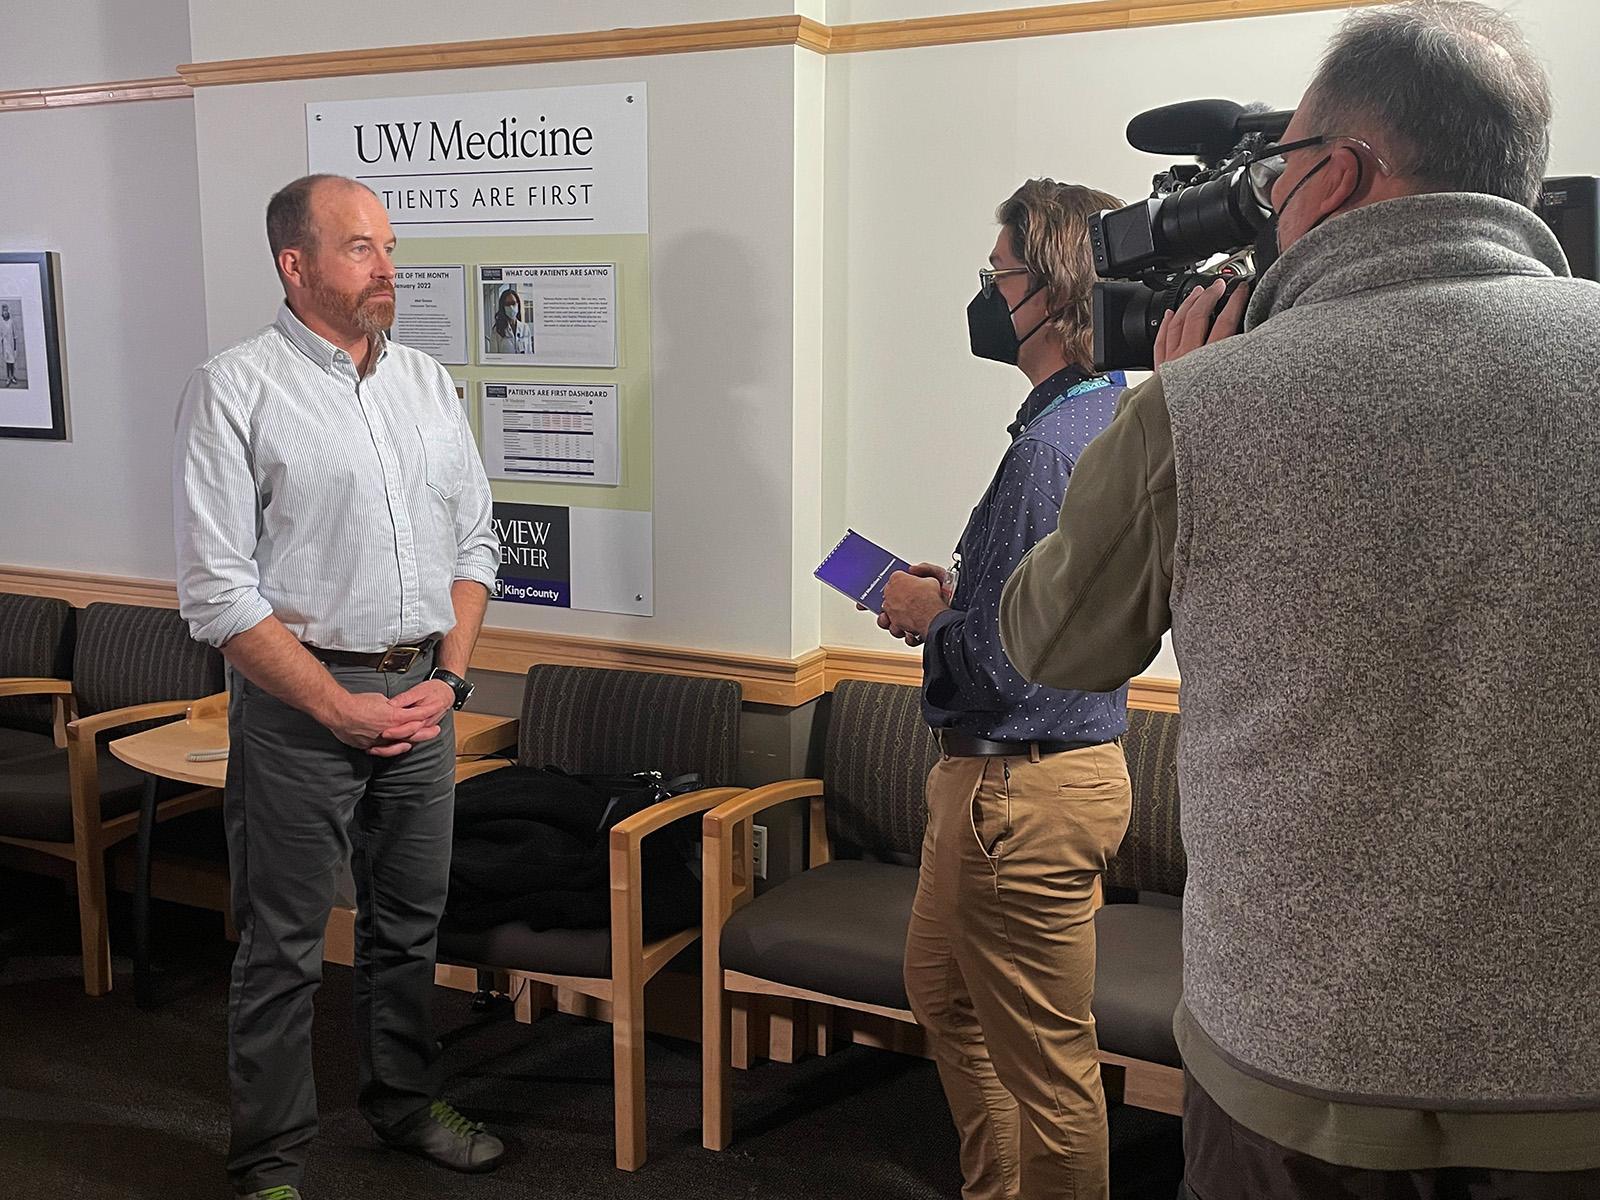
(133, 666)
(592, 721)
(36, 636)
(1139, 931)
(835, 933)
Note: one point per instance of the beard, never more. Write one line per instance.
(371, 310)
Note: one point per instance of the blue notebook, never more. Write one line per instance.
(859, 569)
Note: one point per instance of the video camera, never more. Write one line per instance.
(1201, 221)
(1198, 225)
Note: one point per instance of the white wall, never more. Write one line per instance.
(59, 42)
(810, 343)
(722, 221)
(112, 189)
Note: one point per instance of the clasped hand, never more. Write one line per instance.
(386, 727)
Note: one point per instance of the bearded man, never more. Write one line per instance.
(334, 540)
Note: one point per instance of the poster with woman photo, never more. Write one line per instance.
(508, 328)
(551, 315)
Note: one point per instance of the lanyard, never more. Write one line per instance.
(1077, 389)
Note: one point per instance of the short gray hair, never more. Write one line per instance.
(1451, 87)
(289, 224)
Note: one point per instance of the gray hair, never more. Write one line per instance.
(1450, 87)
(289, 224)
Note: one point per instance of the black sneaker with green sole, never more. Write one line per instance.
(442, 1135)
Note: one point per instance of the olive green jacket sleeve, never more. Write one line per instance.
(1087, 607)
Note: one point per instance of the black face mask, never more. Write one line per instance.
(1267, 240)
(990, 330)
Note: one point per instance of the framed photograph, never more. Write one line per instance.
(32, 401)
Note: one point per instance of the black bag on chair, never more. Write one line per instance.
(531, 845)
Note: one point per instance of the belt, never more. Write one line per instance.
(395, 658)
(961, 745)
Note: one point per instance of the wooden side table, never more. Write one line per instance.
(163, 753)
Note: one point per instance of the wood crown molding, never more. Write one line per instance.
(786, 682)
(1089, 16)
(500, 52)
(784, 30)
(170, 87)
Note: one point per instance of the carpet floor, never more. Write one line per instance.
(101, 1100)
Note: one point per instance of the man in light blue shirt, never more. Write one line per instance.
(334, 540)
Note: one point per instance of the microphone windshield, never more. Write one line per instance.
(1194, 127)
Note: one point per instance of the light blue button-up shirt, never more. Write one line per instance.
(344, 506)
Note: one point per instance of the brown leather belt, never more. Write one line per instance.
(961, 745)
(396, 658)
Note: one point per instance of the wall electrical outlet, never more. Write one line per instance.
(758, 846)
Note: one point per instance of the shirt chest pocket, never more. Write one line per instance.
(441, 459)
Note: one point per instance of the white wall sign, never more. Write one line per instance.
(551, 432)
(556, 316)
(430, 311)
(552, 160)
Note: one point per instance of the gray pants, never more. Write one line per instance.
(299, 804)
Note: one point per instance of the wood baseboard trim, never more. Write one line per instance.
(1051, 20)
(1148, 692)
(783, 682)
(81, 589)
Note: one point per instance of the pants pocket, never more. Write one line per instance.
(991, 808)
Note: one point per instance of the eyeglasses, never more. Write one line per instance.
(1264, 171)
(987, 276)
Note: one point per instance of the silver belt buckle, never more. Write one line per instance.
(399, 658)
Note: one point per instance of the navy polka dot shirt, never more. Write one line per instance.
(968, 684)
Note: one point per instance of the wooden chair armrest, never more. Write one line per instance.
(208, 708)
(727, 857)
(23, 686)
(89, 727)
(758, 800)
(658, 816)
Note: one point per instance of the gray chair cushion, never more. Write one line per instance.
(839, 929)
(128, 654)
(21, 743)
(36, 801)
(35, 642)
(515, 947)
(1151, 858)
(1138, 980)
(593, 721)
(878, 756)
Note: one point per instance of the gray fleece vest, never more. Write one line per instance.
(1386, 611)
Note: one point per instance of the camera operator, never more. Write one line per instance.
(1373, 525)
(1030, 795)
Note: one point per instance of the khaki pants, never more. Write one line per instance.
(1000, 964)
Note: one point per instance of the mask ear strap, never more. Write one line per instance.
(1011, 312)
(1048, 317)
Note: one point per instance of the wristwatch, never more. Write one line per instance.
(458, 685)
